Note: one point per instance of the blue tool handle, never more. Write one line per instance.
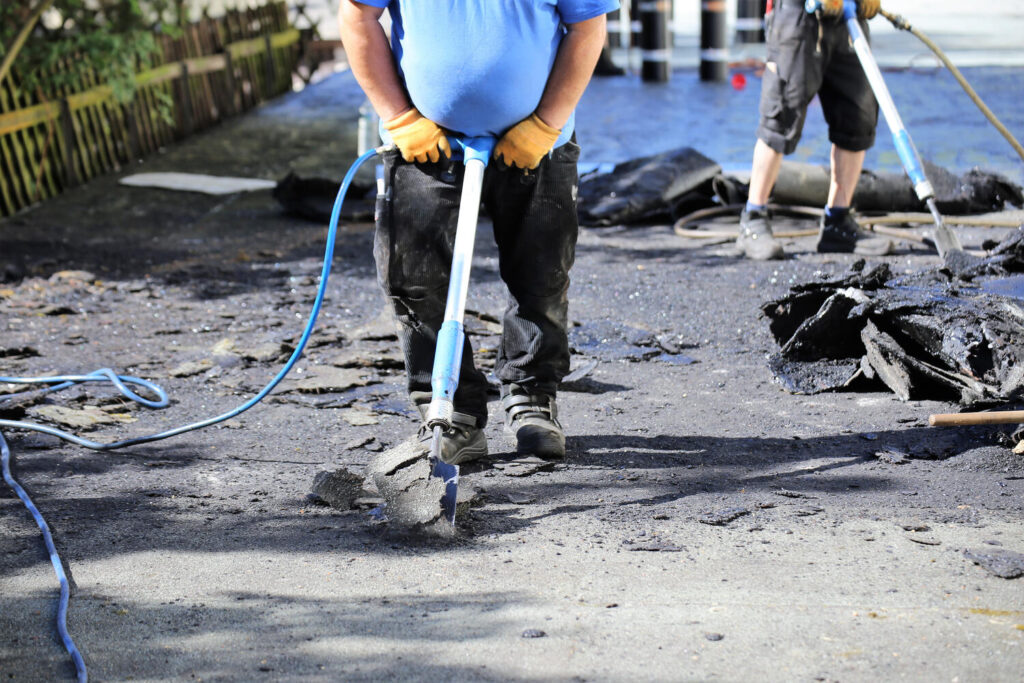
(474, 148)
(447, 361)
(905, 149)
(909, 156)
(444, 378)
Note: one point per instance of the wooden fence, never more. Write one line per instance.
(216, 69)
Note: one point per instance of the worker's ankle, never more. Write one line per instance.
(836, 214)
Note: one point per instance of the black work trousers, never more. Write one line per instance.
(535, 228)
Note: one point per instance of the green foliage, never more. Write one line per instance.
(112, 38)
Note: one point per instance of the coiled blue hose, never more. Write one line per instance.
(121, 382)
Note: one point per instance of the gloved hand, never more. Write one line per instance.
(832, 8)
(417, 137)
(526, 143)
(867, 9)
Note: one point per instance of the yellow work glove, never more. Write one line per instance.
(867, 9)
(526, 143)
(832, 8)
(417, 137)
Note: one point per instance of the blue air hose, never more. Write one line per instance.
(121, 382)
(58, 567)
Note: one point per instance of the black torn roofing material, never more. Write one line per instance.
(954, 333)
(802, 184)
(666, 184)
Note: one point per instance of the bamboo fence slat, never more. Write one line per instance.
(15, 153)
(218, 68)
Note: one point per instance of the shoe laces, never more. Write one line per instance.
(461, 425)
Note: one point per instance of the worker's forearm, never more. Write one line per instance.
(369, 56)
(574, 65)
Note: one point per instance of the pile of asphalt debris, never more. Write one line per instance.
(953, 332)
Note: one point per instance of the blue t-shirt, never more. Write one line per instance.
(478, 67)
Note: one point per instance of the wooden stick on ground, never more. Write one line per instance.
(998, 417)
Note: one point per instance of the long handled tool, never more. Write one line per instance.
(945, 239)
(997, 417)
(448, 353)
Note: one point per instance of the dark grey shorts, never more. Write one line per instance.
(801, 64)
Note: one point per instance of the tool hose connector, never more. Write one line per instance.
(439, 413)
(924, 190)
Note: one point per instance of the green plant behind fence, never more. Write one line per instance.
(72, 112)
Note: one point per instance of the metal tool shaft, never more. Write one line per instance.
(945, 239)
(444, 378)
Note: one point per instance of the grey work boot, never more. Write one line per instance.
(533, 420)
(843, 236)
(755, 239)
(463, 442)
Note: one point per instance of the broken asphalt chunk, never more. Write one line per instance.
(360, 417)
(367, 356)
(785, 493)
(413, 497)
(722, 517)
(18, 352)
(524, 466)
(339, 489)
(267, 352)
(190, 368)
(322, 379)
(924, 541)
(1005, 564)
(892, 457)
(85, 418)
(612, 341)
(383, 327)
(656, 547)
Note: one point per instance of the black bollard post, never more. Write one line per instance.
(714, 53)
(634, 22)
(654, 45)
(615, 19)
(749, 21)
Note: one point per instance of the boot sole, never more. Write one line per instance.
(546, 444)
(468, 455)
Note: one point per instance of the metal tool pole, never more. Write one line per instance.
(444, 379)
(945, 239)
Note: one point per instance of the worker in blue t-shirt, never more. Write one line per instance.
(514, 70)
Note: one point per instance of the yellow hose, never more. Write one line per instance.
(873, 223)
(902, 24)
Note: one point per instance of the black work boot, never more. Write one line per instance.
(841, 235)
(755, 239)
(532, 418)
(463, 442)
